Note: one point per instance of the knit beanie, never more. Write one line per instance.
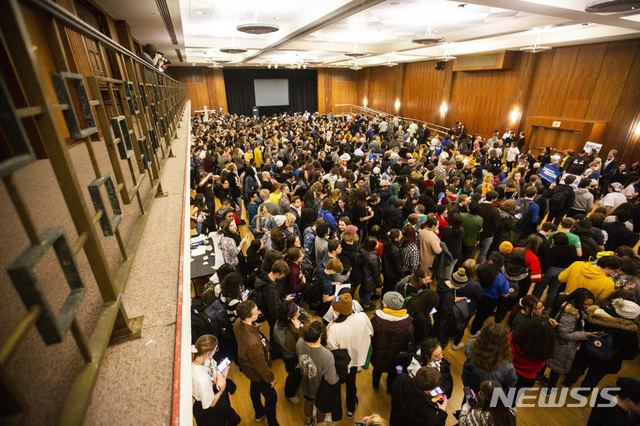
(393, 300)
(343, 304)
(626, 308)
(351, 229)
(459, 278)
(506, 247)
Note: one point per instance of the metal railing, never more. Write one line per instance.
(370, 112)
(137, 119)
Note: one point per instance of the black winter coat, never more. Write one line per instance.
(392, 261)
(412, 407)
(392, 218)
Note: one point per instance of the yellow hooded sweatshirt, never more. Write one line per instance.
(586, 275)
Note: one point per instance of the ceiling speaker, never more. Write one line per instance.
(233, 50)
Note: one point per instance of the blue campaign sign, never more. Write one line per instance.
(549, 174)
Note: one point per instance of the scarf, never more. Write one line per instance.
(396, 313)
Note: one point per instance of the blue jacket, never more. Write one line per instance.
(257, 223)
(329, 218)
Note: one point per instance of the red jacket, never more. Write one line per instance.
(525, 365)
(533, 263)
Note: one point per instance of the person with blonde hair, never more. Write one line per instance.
(209, 386)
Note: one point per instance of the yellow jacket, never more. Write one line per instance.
(586, 275)
(257, 155)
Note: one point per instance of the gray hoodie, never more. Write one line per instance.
(583, 201)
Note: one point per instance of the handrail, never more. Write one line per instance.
(87, 30)
(441, 130)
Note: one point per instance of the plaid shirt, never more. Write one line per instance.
(410, 258)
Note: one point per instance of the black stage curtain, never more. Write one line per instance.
(241, 98)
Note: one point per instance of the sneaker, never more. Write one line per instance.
(257, 419)
(295, 399)
(309, 421)
(327, 418)
(369, 307)
(350, 414)
(542, 379)
(458, 346)
(473, 336)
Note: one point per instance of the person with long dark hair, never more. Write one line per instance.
(286, 333)
(494, 285)
(532, 345)
(489, 358)
(371, 272)
(419, 307)
(570, 312)
(484, 412)
(452, 236)
(409, 250)
(360, 213)
(430, 354)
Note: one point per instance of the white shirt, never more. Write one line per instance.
(203, 381)
(613, 199)
(354, 335)
(628, 191)
(512, 154)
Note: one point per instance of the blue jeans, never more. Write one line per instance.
(550, 279)
(482, 247)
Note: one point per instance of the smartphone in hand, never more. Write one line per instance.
(223, 364)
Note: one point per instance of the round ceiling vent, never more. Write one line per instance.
(257, 28)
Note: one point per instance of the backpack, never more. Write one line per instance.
(558, 199)
(219, 323)
(460, 316)
(199, 325)
(313, 293)
(601, 347)
(522, 208)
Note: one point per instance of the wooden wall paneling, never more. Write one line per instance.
(523, 81)
(422, 91)
(615, 68)
(322, 100)
(446, 94)
(343, 92)
(328, 91)
(585, 74)
(35, 25)
(123, 32)
(483, 100)
(215, 87)
(78, 56)
(381, 89)
(399, 95)
(560, 78)
(538, 85)
(620, 133)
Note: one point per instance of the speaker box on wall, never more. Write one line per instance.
(440, 65)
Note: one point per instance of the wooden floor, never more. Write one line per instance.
(371, 401)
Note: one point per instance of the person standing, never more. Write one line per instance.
(392, 261)
(351, 332)
(255, 362)
(316, 364)
(392, 333)
(491, 224)
(412, 403)
(472, 223)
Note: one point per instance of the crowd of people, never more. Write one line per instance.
(376, 243)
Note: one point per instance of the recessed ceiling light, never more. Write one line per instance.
(257, 28)
(199, 12)
(233, 50)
